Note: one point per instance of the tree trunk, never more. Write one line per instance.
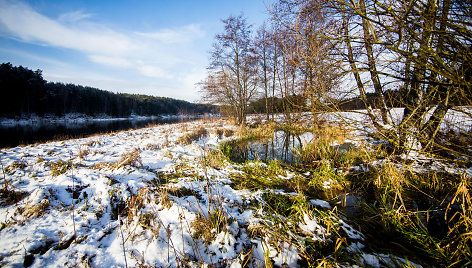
(357, 76)
(368, 42)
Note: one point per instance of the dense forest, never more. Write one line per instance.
(25, 92)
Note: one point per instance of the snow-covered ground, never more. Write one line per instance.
(163, 185)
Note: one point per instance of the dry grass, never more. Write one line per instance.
(207, 227)
(10, 169)
(131, 158)
(152, 147)
(224, 132)
(92, 143)
(33, 211)
(325, 179)
(329, 145)
(195, 135)
(136, 202)
(458, 245)
(83, 152)
(390, 181)
(215, 159)
(228, 132)
(40, 160)
(9, 196)
(280, 225)
(220, 133)
(164, 198)
(60, 167)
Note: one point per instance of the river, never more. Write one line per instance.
(23, 132)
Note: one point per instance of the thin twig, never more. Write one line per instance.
(73, 192)
(4, 176)
(123, 241)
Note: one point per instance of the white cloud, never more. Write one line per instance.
(74, 16)
(163, 54)
(154, 71)
(24, 23)
(179, 35)
(111, 61)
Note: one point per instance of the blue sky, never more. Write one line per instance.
(149, 47)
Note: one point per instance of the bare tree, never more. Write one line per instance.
(427, 45)
(233, 68)
(315, 72)
(264, 49)
(421, 48)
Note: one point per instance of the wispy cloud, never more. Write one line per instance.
(111, 61)
(157, 54)
(23, 23)
(154, 71)
(179, 35)
(74, 16)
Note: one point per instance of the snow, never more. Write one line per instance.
(320, 203)
(170, 188)
(312, 227)
(45, 217)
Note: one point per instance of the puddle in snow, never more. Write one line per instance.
(283, 146)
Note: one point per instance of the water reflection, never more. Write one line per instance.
(42, 131)
(283, 146)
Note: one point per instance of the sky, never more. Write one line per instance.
(152, 47)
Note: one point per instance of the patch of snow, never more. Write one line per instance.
(320, 203)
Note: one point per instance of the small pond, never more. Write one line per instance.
(283, 146)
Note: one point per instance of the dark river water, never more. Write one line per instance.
(42, 131)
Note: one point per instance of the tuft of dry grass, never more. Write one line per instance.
(10, 169)
(92, 143)
(152, 147)
(228, 133)
(164, 198)
(458, 246)
(9, 196)
(208, 226)
(137, 202)
(83, 152)
(215, 159)
(40, 160)
(131, 158)
(220, 133)
(195, 135)
(33, 211)
(325, 179)
(60, 167)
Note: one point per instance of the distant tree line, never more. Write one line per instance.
(298, 103)
(294, 103)
(25, 92)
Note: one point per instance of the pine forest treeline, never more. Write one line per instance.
(25, 92)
